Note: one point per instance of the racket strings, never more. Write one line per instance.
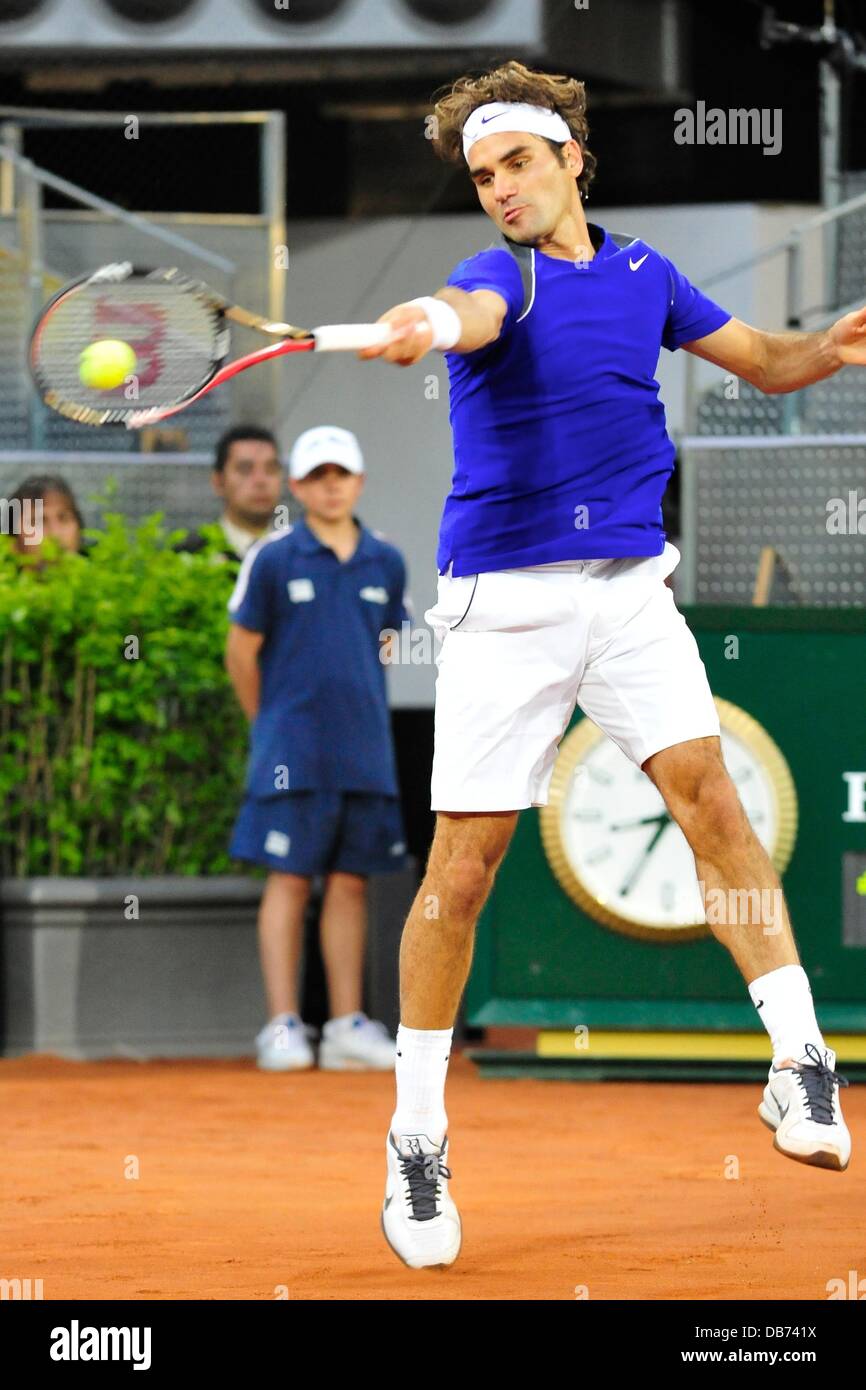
(179, 338)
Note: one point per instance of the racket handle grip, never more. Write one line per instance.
(350, 337)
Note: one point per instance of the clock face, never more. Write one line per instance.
(615, 847)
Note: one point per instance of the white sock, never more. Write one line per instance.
(422, 1064)
(783, 998)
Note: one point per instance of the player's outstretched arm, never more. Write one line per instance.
(779, 362)
(479, 318)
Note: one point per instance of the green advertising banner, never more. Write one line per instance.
(595, 915)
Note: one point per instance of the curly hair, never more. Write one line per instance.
(512, 82)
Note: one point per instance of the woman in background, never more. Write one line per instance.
(57, 516)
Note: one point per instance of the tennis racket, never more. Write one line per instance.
(179, 331)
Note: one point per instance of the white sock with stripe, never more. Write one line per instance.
(784, 1001)
(422, 1065)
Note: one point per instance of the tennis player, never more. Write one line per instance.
(551, 593)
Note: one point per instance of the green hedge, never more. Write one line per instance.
(113, 763)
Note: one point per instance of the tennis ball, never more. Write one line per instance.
(105, 363)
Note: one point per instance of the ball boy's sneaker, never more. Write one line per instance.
(356, 1043)
(801, 1103)
(283, 1045)
(419, 1219)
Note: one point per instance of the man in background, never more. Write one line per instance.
(248, 476)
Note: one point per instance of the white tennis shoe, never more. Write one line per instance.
(419, 1219)
(801, 1103)
(356, 1043)
(283, 1044)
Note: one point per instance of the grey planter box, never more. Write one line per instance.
(82, 978)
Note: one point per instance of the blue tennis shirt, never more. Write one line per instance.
(323, 713)
(561, 451)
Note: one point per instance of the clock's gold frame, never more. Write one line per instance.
(585, 736)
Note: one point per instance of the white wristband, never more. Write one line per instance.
(443, 319)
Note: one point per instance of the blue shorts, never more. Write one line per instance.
(312, 833)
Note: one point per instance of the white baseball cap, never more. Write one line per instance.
(325, 444)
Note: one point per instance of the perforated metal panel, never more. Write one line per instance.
(852, 243)
(753, 413)
(837, 405)
(14, 322)
(834, 406)
(739, 495)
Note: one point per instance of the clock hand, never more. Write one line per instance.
(633, 876)
(647, 820)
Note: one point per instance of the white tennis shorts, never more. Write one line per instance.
(521, 648)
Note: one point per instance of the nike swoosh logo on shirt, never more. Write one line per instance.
(636, 265)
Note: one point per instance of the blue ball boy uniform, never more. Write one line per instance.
(321, 787)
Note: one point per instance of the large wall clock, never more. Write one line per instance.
(614, 848)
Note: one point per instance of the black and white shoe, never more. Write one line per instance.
(801, 1103)
(419, 1219)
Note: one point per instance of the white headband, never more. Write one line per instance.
(513, 115)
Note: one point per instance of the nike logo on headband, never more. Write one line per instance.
(485, 119)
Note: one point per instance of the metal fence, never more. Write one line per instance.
(178, 485)
(709, 412)
(800, 496)
(52, 229)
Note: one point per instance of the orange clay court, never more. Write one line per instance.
(256, 1186)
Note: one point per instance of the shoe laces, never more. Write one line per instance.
(818, 1081)
(422, 1173)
